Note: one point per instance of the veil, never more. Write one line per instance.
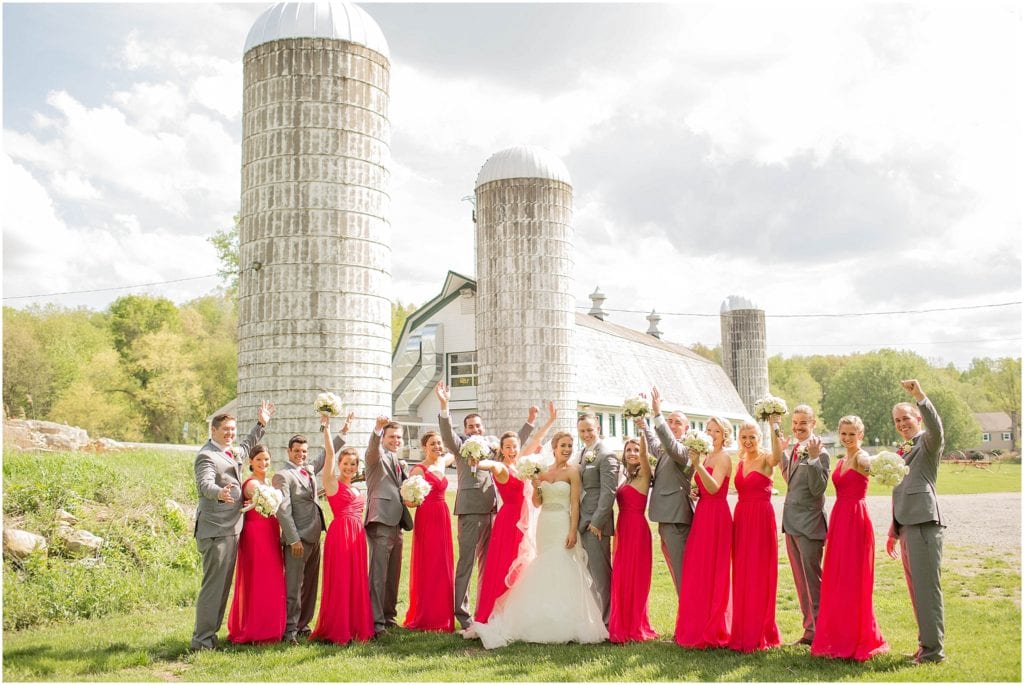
(527, 522)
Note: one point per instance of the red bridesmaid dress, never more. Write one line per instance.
(345, 613)
(631, 576)
(503, 548)
(755, 564)
(258, 607)
(705, 602)
(846, 627)
(432, 569)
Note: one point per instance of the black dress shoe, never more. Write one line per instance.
(805, 641)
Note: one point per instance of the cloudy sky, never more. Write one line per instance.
(817, 158)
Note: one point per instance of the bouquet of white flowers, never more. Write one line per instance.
(415, 489)
(327, 403)
(478, 447)
(266, 500)
(698, 441)
(766, 406)
(529, 466)
(636, 407)
(888, 469)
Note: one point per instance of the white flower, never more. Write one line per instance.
(266, 500)
(888, 469)
(415, 489)
(636, 407)
(698, 441)
(905, 447)
(652, 460)
(802, 452)
(588, 456)
(327, 403)
(529, 466)
(478, 447)
(766, 406)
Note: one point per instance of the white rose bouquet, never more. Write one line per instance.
(415, 489)
(529, 466)
(698, 441)
(766, 406)
(478, 447)
(327, 403)
(636, 407)
(888, 469)
(266, 500)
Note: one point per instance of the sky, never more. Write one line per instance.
(819, 158)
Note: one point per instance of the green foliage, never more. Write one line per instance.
(711, 353)
(792, 381)
(134, 316)
(101, 401)
(399, 313)
(227, 245)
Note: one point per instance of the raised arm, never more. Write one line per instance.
(329, 461)
(537, 439)
(451, 441)
(779, 443)
(934, 436)
(317, 464)
(373, 449)
(498, 469)
(645, 463)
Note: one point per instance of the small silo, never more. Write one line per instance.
(315, 286)
(525, 317)
(744, 350)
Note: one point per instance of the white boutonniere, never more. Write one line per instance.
(802, 453)
(905, 447)
(588, 457)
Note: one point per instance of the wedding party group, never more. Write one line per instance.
(536, 518)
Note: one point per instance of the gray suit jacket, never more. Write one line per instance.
(214, 469)
(914, 500)
(300, 515)
(475, 493)
(384, 476)
(600, 480)
(673, 474)
(803, 512)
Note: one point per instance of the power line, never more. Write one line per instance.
(820, 316)
(896, 344)
(120, 287)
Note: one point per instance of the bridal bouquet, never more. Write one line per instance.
(327, 403)
(766, 406)
(478, 447)
(529, 466)
(415, 489)
(266, 500)
(888, 469)
(636, 407)
(698, 441)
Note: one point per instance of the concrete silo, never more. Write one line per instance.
(525, 318)
(315, 286)
(744, 350)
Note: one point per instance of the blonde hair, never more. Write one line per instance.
(854, 421)
(804, 409)
(726, 429)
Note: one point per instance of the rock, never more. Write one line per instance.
(66, 517)
(44, 435)
(21, 543)
(104, 445)
(80, 542)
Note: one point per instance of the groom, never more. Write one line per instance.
(599, 471)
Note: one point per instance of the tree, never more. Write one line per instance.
(790, 380)
(134, 316)
(710, 353)
(399, 313)
(1004, 391)
(28, 378)
(227, 243)
(100, 402)
(172, 395)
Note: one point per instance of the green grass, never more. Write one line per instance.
(953, 479)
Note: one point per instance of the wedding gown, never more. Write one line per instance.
(551, 601)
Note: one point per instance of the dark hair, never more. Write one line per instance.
(427, 436)
(588, 416)
(347, 451)
(470, 416)
(221, 418)
(388, 426)
(256, 451)
(505, 436)
(297, 439)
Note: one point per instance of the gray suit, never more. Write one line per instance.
(670, 502)
(803, 522)
(384, 476)
(917, 522)
(600, 481)
(474, 505)
(217, 527)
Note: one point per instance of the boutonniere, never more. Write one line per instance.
(588, 456)
(905, 447)
(802, 453)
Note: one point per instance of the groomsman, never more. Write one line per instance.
(219, 517)
(599, 471)
(916, 521)
(805, 468)
(670, 502)
(384, 476)
(475, 501)
(302, 523)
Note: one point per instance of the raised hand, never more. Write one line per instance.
(348, 422)
(813, 447)
(914, 388)
(381, 422)
(531, 414)
(266, 410)
(443, 394)
(655, 400)
(552, 411)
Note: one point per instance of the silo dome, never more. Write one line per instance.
(523, 161)
(338, 20)
(736, 303)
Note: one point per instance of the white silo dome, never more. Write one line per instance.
(338, 20)
(523, 161)
(736, 302)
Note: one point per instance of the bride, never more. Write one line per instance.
(551, 600)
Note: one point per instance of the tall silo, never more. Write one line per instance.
(525, 317)
(744, 350)
(314, 293)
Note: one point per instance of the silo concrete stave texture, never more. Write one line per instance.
(525, 318)
(315, 237)
(744, 348)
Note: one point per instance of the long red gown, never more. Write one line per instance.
(432, 569)
(502, 549)
(258, 606)
(846, 627)
(345, 613)
(755, 564)
(705, 602)
(631, 578)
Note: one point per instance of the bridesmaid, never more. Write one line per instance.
(631, 580)
(705, 603)
(432, 569)
(345, 612)
(258, 607)
(510, 523)
(846, 626)
(755, 549)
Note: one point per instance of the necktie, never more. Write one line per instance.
(229, 453)
(793, 460)
(304, 472)
(398, 468)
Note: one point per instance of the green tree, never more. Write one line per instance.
(28, 377)
(227, 243)
(399, 313)
(711, 353)
(133, 317)
(100, 402)
(171, 395)
(791, 380)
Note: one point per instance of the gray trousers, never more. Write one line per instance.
(921, 550)
(673, 547)
(474, 537)
(219, 556)
(599, 561)
(805, 560)
(385, 550)
(302, 577)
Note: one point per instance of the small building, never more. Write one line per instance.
(995, 431)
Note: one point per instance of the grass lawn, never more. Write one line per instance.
(953, 479)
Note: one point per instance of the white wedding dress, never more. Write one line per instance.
(551, 601)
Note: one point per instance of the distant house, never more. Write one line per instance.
(995, 431)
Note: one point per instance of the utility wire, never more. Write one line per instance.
(120, 287)
(895, 344)
(817, 316)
